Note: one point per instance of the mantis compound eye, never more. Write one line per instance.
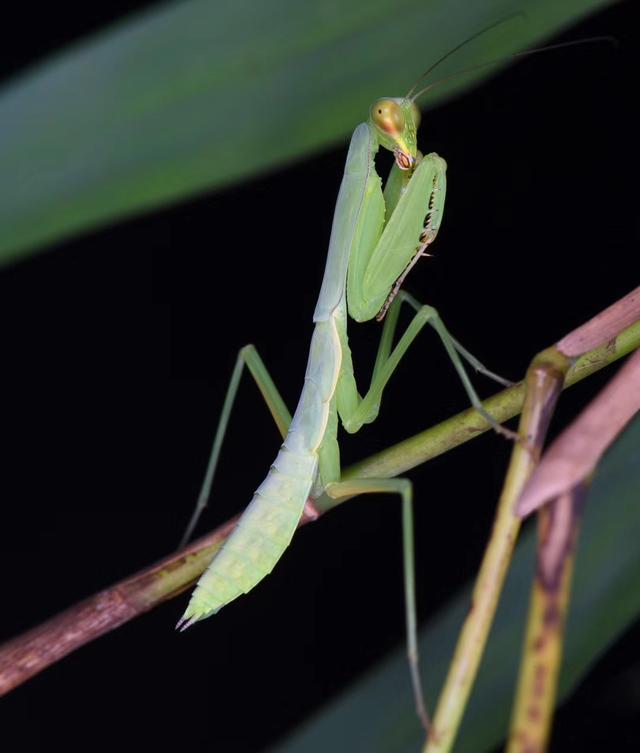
(388, 116)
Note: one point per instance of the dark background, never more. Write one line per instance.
(117, 348)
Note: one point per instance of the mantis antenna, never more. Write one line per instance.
(495, 61)
(462, 44)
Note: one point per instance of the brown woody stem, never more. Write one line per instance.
(24, 656)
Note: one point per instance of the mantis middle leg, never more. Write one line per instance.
(355, 412)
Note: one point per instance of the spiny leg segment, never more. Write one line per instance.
(432, 220)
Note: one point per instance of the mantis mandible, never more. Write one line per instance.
(376, 238)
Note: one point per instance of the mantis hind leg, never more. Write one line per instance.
(247, 356)
(403, 487)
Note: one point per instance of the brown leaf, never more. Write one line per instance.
(604, 326)
(576, 452)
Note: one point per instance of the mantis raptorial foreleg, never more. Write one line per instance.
(247, 356)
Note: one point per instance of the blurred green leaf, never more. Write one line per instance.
(377, 714)
(194, 95)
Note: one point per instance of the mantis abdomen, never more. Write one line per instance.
(267, 525)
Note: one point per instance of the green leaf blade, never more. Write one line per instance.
(195, 95)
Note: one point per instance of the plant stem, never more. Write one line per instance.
(543, 384)
(35, 650)
(544, 380)
(454, 431)
(558, 524)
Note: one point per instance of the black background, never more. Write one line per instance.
(116, 351)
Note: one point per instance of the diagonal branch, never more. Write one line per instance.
(35, 650)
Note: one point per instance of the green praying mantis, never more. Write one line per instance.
(377, 237)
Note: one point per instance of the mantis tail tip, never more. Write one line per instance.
(185, 622)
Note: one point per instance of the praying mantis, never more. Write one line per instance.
(376, 239)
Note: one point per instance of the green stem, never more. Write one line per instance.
(548, 606)
(30, 653)
(454, 431)
(544, 381)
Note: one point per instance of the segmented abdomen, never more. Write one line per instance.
(267, 525)
(263, 533)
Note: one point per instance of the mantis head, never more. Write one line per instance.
(396, 120)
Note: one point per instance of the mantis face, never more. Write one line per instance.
(396, 120)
